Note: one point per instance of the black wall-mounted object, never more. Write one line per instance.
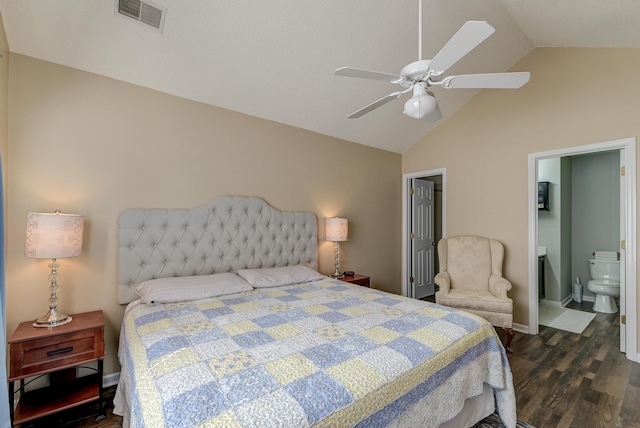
(543, 195)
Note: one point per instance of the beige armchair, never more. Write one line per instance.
(471, 279)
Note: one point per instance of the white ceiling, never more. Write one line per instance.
(275, 59)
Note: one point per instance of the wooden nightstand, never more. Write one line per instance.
(57, 351)
(357, 279)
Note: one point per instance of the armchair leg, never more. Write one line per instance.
(510, 335)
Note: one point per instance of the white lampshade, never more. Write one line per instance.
(337, 229)
(53, 235)
(419, 106)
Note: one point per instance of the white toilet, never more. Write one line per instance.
(605, 284)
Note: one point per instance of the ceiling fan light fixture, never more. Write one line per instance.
(419, 106)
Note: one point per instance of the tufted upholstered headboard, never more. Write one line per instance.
(227, 234)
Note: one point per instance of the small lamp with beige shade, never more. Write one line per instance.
(53, 236)
(336, 231)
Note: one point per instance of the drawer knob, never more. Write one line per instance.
(60, 351)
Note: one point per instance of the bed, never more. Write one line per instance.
(229, 324)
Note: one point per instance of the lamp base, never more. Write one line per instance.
(52, 318)
(336, 254)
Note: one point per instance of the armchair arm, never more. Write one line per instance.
(444, 282)
(499, 286)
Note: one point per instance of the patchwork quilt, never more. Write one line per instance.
(325, 353)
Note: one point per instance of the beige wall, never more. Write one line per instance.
(575, 97)
(86, 144)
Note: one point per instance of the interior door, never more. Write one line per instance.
(422, 238)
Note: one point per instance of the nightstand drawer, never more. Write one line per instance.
(62, 351)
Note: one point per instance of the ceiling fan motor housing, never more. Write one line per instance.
(417, 71)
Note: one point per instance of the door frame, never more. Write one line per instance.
(628, 205)
(406, 220)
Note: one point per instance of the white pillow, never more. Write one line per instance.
(277, 276)
(177, 289)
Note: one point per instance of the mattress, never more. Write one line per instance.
(324, 353)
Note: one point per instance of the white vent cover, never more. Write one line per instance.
(145, 12)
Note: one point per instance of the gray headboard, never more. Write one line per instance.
(227, 234)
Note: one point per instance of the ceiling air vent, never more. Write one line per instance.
(145, 12)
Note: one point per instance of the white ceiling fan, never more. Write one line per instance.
(420, 75)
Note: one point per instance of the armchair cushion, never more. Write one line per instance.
(479, 300)
(468, 263)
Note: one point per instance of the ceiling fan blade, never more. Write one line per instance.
(470, 35)
(366, 74)
(374, 105)
(490, 80)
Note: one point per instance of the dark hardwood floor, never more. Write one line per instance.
(564, 379)
(561, 379)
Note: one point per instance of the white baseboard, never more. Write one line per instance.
(110, 379)
(521, 328)
(567, 300)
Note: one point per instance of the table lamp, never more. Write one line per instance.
(336, 231)
(53, 236)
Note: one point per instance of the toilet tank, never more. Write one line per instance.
(604, 269)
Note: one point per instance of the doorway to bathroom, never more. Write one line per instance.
(579, 179)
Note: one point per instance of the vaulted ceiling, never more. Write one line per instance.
(276, 59)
